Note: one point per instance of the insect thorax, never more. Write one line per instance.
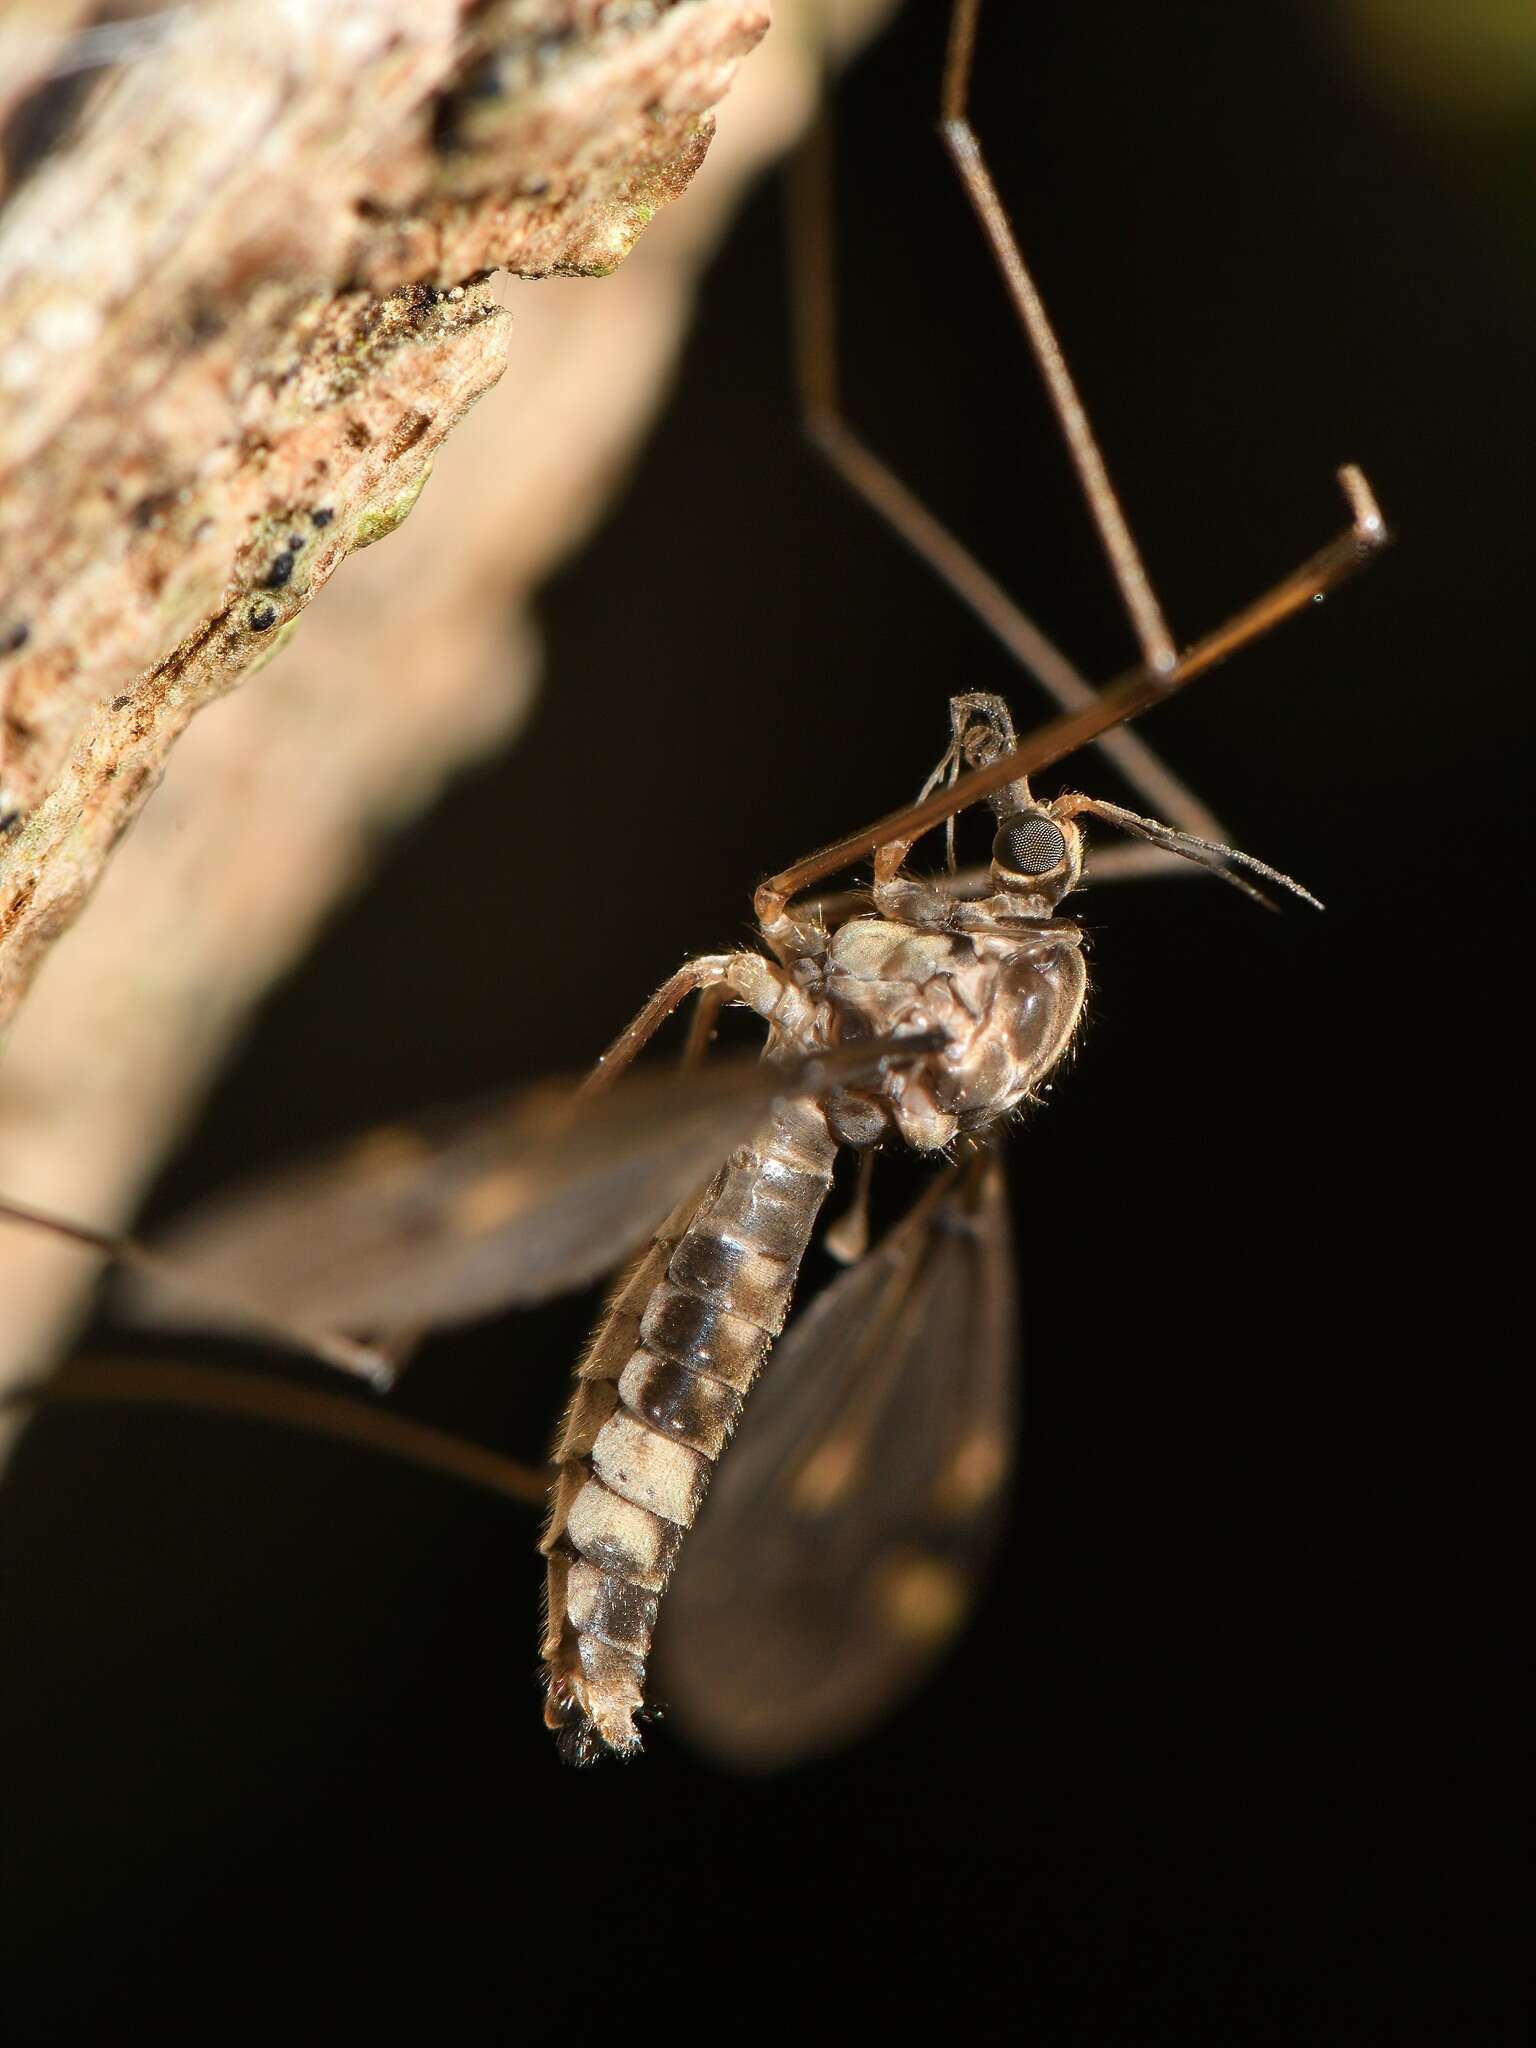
(1005, 993)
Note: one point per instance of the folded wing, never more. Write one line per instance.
(836, 1555)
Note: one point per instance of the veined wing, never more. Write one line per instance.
(836, 1553)
(472, 1210)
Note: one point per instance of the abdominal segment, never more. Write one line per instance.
(657, 1398)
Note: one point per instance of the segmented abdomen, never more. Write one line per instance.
(657, 1396)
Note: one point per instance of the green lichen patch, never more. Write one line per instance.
(379, 520)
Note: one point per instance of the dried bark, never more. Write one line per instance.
(296, 343)
(239, 314)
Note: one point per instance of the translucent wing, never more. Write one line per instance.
(473, 1210)
(836, 1552)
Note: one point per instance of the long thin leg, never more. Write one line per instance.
(363, 1361)
(1132, 693)
(701, 1025)
(848, 1238)
(814, 300)
(1157, 648)
(1103, 864)
(708, 971)
(224, 1391)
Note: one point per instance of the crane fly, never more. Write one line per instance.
(923, 1012)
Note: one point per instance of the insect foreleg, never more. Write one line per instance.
(1126, 697)
(748, 977)
(812, 268)
(1088, 715)
(1157, 647)
(708, 971)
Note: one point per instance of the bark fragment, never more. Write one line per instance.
(240, 310)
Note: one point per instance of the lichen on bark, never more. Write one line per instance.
(239, 309)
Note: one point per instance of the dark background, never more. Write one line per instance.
(1220, 1756)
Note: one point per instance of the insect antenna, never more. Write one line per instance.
(1207, 853)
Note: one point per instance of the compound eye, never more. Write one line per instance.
(1030, 844)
